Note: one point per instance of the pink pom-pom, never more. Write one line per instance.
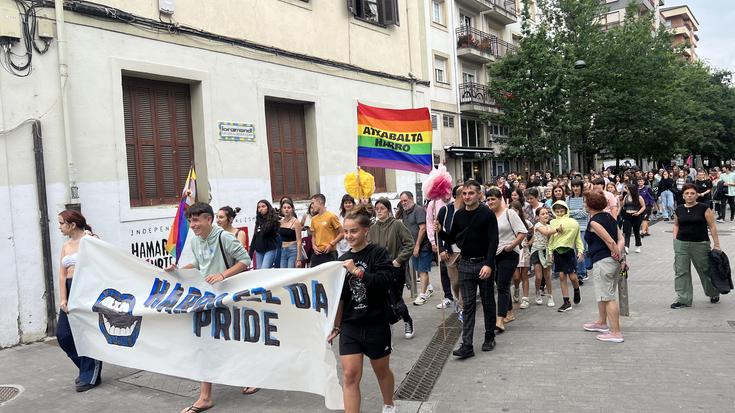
(438, 185)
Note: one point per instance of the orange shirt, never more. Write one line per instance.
(326, 228)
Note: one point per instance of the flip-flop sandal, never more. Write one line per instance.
(247, 392)
(194, 409)
(509, 319)
(499, 330)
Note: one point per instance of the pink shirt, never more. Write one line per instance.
(612, 201)
(432, 209)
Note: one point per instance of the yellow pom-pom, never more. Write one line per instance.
(360, 187)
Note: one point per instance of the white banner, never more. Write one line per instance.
(264, 328)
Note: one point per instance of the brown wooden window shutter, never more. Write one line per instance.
(379, 175)
(287, 152)
(158, 140)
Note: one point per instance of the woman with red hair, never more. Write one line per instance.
(73, 225)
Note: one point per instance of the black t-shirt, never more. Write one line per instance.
(366, 300)
(475, 233)
(666, 184)
(703, 186)
(597, 248)
(692, 223)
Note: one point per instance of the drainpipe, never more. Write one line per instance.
(48, 273)
(73, 194)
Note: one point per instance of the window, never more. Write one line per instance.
(471, 133)
(613, 18)
(437, 11)
(468, 77)
(440, 70)
(379, 175)
(448, 121)
(499, 131)
(380, 12)
(286, 132)
(465, 20)
(434, 122)
(158, 140)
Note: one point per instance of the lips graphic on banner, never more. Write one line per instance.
(117, 322)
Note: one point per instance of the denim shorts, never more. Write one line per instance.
(422, 263)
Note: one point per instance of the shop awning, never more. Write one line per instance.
(468, 151)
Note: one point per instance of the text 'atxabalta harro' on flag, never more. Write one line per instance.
(394, 138)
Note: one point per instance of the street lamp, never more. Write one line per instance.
(580, 64)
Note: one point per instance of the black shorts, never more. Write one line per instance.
(373, 341)
(565, 262)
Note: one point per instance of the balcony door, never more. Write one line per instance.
(465, 20)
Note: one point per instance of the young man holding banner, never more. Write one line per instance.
(217, 255)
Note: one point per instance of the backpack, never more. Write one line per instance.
(720, 272)
(718, 191)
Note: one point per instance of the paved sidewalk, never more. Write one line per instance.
(672, 360)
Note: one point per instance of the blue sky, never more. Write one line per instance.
(716, 30)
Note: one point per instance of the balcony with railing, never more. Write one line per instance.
(501, 11)
(475, 97)
(480, 47)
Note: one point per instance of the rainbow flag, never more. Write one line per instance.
(180, 227)
(394, 138)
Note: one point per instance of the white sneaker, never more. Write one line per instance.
(626, 250)
(389, 408)
(429, 291)
(444, 304)
(420, 300)
(550, 302)
(638, 250)
(539, 300)
(524, 303)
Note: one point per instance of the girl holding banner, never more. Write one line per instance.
(362, 315)
(73, 225)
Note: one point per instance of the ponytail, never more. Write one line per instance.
(361, 215)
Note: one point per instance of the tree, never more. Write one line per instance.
(637, 97)
(535, 86)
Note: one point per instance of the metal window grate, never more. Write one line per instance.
(423, 375)
(8, 393)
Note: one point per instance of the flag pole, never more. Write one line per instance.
(434, 212)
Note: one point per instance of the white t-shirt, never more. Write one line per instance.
(540, 241)
(509, 226)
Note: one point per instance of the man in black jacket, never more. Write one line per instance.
(475, 231)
